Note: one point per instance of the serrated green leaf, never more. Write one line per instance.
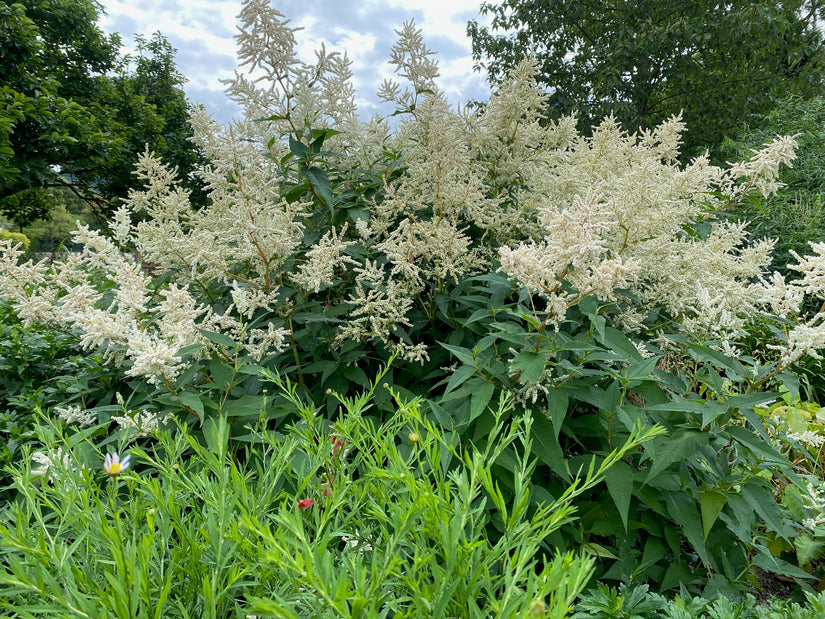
(531, 364)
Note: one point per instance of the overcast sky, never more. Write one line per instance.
(202, 31)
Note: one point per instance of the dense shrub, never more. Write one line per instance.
(480, 254)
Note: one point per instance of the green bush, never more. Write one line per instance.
(15, 237)
(43, 368)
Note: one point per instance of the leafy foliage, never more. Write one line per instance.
(644, 62)
(41, 368)
(395, 525)
(72, 113)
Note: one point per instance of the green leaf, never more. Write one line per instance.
(193, 401)
(481, 398)
(619, 480)
(299, 149)
(760, 497)
(222, 373)
(557, 404)
(320, 183)
(808, 549)
(465, 355)
(546, 446)
(683, 512)
(617, 341)
(759, 448)
(680, 446)
(531, 364)
(459, 377)
(218, 338)
(711, 503)
(245, 406)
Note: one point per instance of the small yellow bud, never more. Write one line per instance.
(414, 438)
(176, 466)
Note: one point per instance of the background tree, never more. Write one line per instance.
(644, 61)
(74, 112)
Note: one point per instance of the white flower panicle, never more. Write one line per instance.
(76, 415)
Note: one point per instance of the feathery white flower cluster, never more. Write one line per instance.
(52, 465)
(614, 210)
(74, 414)
(784, 298)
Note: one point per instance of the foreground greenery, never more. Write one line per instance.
(358, 518)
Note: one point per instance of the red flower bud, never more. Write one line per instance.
(305, 503)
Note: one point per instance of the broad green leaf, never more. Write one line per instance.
(546, 446)
(481, 398)
(193, 401)
(711, 503)
(218, 338)
(531, 364)
(221, 373)
(619, 480)
(759, 447)
(465, 355)
(245, 406)
(617, 341)
(641, 369)
(681, 445)
(683, 512)
(320, 183)
(808, 549)
(459, 377)
(557, 404)
(760, 497)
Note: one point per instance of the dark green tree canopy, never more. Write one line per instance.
(646, 60)
(75, 112)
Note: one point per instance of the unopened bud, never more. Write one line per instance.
(413, 436)
(537, 608)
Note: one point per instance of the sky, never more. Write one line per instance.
(203, 33)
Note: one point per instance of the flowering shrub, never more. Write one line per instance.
(488, 250)
(308, 204)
